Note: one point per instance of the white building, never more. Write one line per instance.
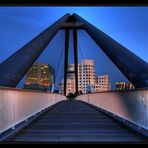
(70, 87)
(87, 80)
(88, 76)
(103, 82)
(124, 86)
(71, 80)
(70, 75)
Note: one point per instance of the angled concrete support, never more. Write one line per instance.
(14, 68)
(132, 66)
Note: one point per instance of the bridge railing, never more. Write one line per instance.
(131, 105)
(16, 105)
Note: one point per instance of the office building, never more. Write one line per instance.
(103, 84)
(70, 86)
(40, 76)
(87, 80)
(88, 76)
(124, 86)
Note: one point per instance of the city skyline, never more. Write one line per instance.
(88, 80)
(69, 76)
(39, 73)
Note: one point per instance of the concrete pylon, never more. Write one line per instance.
(133, 67)
(14, 68)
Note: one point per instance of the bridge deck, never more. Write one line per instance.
(74, 121)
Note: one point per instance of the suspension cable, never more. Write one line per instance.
(59, 62)
(62, 75)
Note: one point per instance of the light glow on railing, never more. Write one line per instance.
(132, 105)
(17, 105)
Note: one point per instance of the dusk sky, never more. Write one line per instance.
(127, 25)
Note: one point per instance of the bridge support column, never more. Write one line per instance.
(66, 59)
(14, 68)
(75, 59)
(132, 66)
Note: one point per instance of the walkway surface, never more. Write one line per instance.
(74, 121)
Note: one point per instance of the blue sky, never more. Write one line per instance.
(127, 25)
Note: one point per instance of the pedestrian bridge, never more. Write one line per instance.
(34, 116)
